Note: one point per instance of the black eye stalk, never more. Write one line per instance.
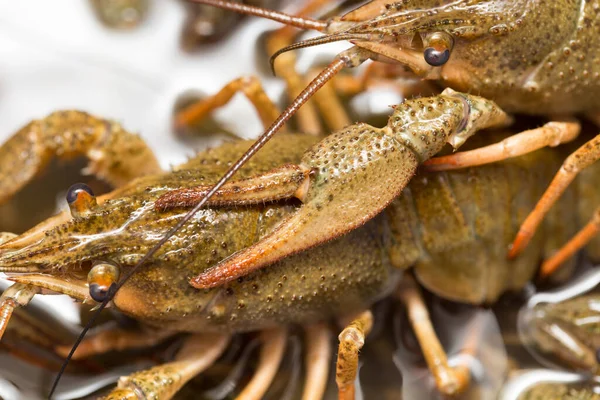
(81, 199)
(438, 48)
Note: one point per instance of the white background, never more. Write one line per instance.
(56, 55)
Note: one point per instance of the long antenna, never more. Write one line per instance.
(111, 291)
(287, 19)
(316, 84)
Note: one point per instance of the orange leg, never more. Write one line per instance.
(271, 355)
(307, 117)
(573, 246)
(351, 85)
(249, 86)
(380, 74)
(329, 104)
(552, 134)
(579, 160)
(578, 241)
(14, 296)
(328, 101)
(318, 356)
(449, 380)
(114, 340)
(18, 295)
(376, 74)
(199, 352)
(352, 340)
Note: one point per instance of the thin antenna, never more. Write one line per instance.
(316, 84)
(111, 292)
(287, 19)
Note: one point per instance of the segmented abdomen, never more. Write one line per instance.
(455, 228)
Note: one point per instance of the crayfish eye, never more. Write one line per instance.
(437, 50)
(81, 199)
(76, 190)
(100, 278)
(435, 57)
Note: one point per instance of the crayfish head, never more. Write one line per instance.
(82, 252)
(75, 253)
(478, 46)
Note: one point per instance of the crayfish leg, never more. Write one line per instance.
(328, 101)
(351, 340)
(115, 155)
(580, 240)
(580, 159)
(306, 117)
(249, 86)
(318, 355)
(117, 339)
(162, 382)
(18, 295)
(551, 134)
(271, 354)
(449, 380)
(382, 74)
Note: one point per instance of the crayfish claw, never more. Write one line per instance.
(280, 183)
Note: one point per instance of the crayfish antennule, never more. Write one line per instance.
(311, 43)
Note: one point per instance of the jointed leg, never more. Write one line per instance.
(330, 106)
(573, 246)
(579, 160)
(382, 74)
(18, 295)
(318, 355)
(249, 86)
(271, 355)
(352, 340)
(347, 85)
(449, 380)
(115, 340)
(552, 134)
(306, 116)
(351, 85)
(578, 241)
(162, 382)
(232, 381)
